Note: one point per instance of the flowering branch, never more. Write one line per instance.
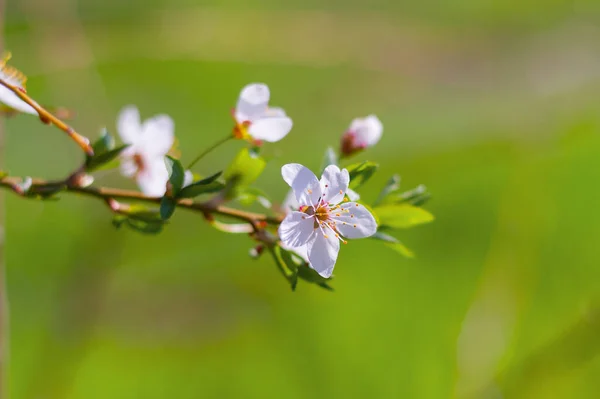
(303, 236)
(42, 187)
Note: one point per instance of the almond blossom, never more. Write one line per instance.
(362, 133)
(323, 219)
(14, 77)
(149, 142)
(255, 120)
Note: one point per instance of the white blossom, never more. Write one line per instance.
(323, 218)
(149, 142)
(255, 119)
(362, 133)
(14, 77)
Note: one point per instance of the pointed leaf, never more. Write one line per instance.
(392, 185)
(246, 167)
(204, 186)
(176, 174)
(97, 161)
(167, 207)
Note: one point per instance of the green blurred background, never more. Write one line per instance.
(494, 105)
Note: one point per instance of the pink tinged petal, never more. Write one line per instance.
(323, 253)
(158, 135)
(270, 129)
(305, 184)
(153, 179)
(129, 125)
(334, 184)
(252, 102)
(296, 229)
(355, 221)
(13, 101)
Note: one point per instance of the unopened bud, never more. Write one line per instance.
(362, 133)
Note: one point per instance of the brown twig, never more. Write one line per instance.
(107, 194)
(49, 118)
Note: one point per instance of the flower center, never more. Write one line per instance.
(139, 163)
(322, 212)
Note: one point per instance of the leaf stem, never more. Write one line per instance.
(208, 150)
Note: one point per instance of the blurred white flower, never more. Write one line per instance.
(255, 120)
(149, 142)
(323, 219)
(362, 133)
(14, 77)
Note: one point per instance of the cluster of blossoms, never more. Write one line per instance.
(318, 214)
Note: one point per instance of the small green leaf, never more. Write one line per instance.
(330, 158)
(392, 185)
(204, 186)
(402, 216)
(176, 174)
(167, 207)
(393, 243)
(100, 160)
(105, 143)
(140, 219)
(3, 174)
(287, 266)
(417, 196)
(246, 167)
(360, 173)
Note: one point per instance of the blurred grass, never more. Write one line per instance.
(503, 129)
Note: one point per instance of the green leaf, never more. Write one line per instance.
(176, 174)
(167, 207)
(306, 273)
(99, 160)
(394, 243)
(402, 216)
(330, 158)
(141, 219)
(285, 263)
(204, 186)
(392, 185)
(360, 173)
(3, 174)
(246, 167)
(105, 143)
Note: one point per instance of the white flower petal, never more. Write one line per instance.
(323, 252)
(274, 111)
(296, 229)
(353, 195)
(303, 181)
(270, 129)
(252, 102)
(367, 130)
(129, 125)
(128, 167)
(355, 221)
(301, 252)
(153, 179)
(13, 101)
(334, 184)
(290, 203)
(158, 135)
